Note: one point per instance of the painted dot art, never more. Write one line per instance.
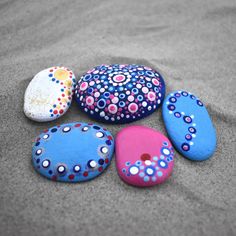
(65, 80)
(149, 168)
(73, 152)
(188, 119)
(120, 93)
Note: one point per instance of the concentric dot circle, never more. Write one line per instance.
(66, 129)
(171, 107)
(150, 171)
(104, 150)
(85, 128)
(192, 130)
(187, 119)
(61, 169)
(185, 147)
(188, 137)
(118, 78)
(77, 168)
(177, 114)
(46, 163)
(133, 170)
(39, 152)
(177, 95)
(199, 103)
(133, 107)
(185, 94)
(45, 136)
(166, 151)
(172, 99)
(99, 134)
(162, 164)
(92, 164)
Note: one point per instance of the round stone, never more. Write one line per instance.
(49, 94)
(120, 93)
(190, 127)
(66, 155)
(139, 156)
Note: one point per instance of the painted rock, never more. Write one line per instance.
(72, 152)
(120, 93)
(189, 126)
(144, 157)
(49, 94)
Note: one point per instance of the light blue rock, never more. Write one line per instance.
(189, 125)
(73, 152)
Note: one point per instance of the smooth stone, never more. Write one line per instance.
(189, 125)
(144, 157)
(120, 93)
(49, 94)
(73, 152)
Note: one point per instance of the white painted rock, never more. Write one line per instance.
(49, 94)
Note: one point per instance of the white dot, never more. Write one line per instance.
(134, 170)
(104, 150)
(149, 171)
(163, 164)
(99, 134)
(102, 114)
(66, 129)
(85, 128)
(144, 104)
(61, 169)
(46, 163)
(166, 151)
(148, 162)
(39, 151)
(77, 168)
(45, 136)
(93, 164)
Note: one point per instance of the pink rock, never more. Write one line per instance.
(144, 157)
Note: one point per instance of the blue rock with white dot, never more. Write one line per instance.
(73, 152)
(189, 125)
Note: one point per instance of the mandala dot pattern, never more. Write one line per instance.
(120, 93)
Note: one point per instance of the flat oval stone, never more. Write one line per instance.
(189, 125)
(120, 93)
(73, 152)
(144, 157)
(49, 94)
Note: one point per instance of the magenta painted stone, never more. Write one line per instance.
(144, 157)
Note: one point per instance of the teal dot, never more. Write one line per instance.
(159, 173)
(146, 179)
(154, 178)
(141, 174)
(162, 157)
(155, 158)
(141, 167)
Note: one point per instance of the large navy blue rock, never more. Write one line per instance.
(72, 152)
(189, 126)
(120, 93)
